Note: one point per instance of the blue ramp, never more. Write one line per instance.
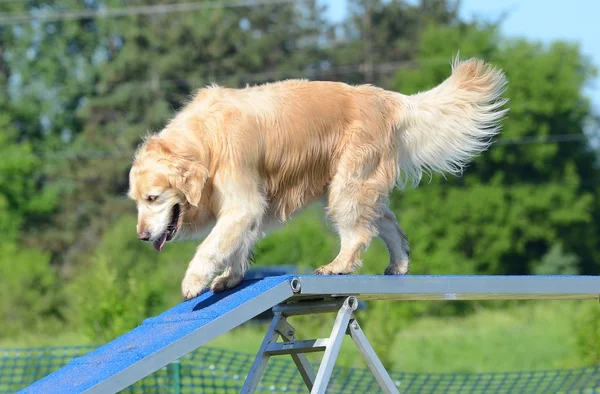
(163, 339)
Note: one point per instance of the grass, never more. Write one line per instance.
(43, 340)
(531, 336)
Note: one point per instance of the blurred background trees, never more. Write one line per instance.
(78, 94)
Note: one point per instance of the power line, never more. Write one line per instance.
(270, 75)
(386, 67)
(14, 19)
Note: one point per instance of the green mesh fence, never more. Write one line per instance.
(216, 371)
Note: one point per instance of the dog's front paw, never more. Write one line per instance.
(331, 270)
(193, 284)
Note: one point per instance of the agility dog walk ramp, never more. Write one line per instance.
(165, 338)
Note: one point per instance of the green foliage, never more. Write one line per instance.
(28, 291)
(586, 327)
(515, 202)
(77, 96)
(305, 241)
(537, 335)
(496, 229)
(38, 57)
(518, 209)
(20, 197)
(556, 262)
(28, 284)
(381, 323)
(114, 305)
(378, 32)
(125, 282)
(155, 64)
(545, 92)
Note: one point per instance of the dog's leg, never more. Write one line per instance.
(241, 206)
(395, 240)
(234, 271)
(353, 240)
(353, 208)
(234, 231)
(240, 261)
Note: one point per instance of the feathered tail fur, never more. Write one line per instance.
(442, 129)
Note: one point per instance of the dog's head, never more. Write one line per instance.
(165, 185)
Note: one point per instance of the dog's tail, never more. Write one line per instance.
(442, 129)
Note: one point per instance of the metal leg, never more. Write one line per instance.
(375, 365)
(308, 374)
(333, 347)
(344, 324)
(260, 362)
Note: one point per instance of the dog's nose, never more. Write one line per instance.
(143, 235)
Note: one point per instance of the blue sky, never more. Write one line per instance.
(540, 20)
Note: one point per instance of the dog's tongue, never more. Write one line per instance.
(159, 243)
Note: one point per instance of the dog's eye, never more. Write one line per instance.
(152, 198)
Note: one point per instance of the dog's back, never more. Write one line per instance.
(293, 132)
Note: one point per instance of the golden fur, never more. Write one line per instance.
(234, 163)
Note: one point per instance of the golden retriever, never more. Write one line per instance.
(239, 162)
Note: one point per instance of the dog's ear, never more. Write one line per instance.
(190, 178)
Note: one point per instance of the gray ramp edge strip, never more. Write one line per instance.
(194, 340)
(426, 287)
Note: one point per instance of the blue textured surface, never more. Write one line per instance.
(152, 335)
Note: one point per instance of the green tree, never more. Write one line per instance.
(28, 284)
(519, 208)
(381, 36)
(156, 62)
(48, 71)
(518, 199)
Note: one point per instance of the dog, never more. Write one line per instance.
(234, 164)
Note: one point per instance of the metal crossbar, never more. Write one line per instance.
(344, 325)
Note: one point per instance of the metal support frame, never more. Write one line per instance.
(373, 362)
(344, 325)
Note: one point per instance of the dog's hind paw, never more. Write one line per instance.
(396, 269)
